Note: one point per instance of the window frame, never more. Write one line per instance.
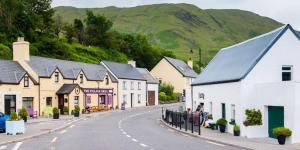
(139, 86)
(76, 100)
(124, 85)
(131, 85)
(81, 78)
(106, 80)
(139, 98)
(287, 69)
(56, 77)
(26, 81)
(49, 98)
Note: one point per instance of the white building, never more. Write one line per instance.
(261, 73)
(152, 87)
(131, 84)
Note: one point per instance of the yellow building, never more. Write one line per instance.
(175, 72)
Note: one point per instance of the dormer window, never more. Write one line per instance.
(26, 81)
(81, 78)
(107, 80)
(56, 77)
(286, 73)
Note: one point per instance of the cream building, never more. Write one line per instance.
(175, 72)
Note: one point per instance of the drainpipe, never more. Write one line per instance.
(39, 97)
(192, 98)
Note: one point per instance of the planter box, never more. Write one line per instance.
(254, 132)
(15, 127)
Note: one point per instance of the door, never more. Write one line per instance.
(61, 103)
(276, 118)
(10, 104)
(131, 100)
(223, 111)
(151, 98)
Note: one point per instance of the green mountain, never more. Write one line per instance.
(182, 27)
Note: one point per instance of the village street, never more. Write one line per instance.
(132, 129)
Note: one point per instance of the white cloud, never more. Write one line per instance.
(285, 11)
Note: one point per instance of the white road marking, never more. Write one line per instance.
(3, 147)
(134, 140)
(72, 126)
(218, 144)
(124, 133)
(128, 135)
(144, 145)
(52, 148)
(17, 146)
(63, 131)
(54, 140)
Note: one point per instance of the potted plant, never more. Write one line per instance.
(23, 114)
(55, 112)
(222, 124)
(282, 133)
(76, 111)
(15, 125)
(66, 110)
(236, 130)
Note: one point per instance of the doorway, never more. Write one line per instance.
(223, 111)
(276, 119)
(151, 98)
(10, 104)
(131, 99)
(61, 103)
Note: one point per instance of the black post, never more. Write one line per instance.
(180, 121)
(172, 118)
(162, 113)
(192, 122)
(176, 122)
(186, 120)
(199, 121)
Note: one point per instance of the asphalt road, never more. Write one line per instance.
(134, 129)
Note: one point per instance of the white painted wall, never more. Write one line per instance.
(135, 92)
(153, 87)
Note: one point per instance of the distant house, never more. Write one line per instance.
(131, 83)
(175, 72)
(152, 87)
(261, 73)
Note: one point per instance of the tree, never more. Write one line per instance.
(58, 25)
(69, 32)
(79, 30)
(96, 28)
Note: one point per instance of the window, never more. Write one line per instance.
(76, 100)
(28, 102)
(210, 107)
(81, 78)
(131, 85)
(124, 85)
(286, 73)
(49, 101)
(139, 98)
(233, 111)
(223, 110)
(56, 77)
(124, 98)
(101, 99)
(160, 81)
(26, 81)
(139, 85)
(106, 80)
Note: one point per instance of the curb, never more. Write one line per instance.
(42, 133)
(205, 138)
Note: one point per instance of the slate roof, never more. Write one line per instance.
(66, 88)
(182, 67)
(235, 62)
(44, 67)
(150, 79)
(124, 71)
(11, 72)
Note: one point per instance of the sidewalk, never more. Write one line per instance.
(242, 142)
(44, 125)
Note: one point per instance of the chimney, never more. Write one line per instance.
(190, 63)
(132, 63)
(21, 50)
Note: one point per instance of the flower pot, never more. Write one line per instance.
(15, 127)
(222, 128)
(281, 139)
(55, 116)
(236, 133)
(25, 119)
(76, 114)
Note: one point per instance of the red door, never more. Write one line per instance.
(151, 98)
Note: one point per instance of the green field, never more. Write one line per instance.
(182, 27)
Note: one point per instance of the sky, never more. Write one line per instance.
(284, 11)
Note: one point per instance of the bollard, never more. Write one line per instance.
(199, 131)
(172, 116)
(186, 120)
(176, 122)
(192, 123)
(162, 113)
(180, 121)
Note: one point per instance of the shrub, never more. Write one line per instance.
(162, 96)
(166, 88)
(282, 131)
(23, 112)
(14, 117)
(66, 109)
(236, 128)
(222, 122)
(55, 111)
(77, 109)
(254, 117)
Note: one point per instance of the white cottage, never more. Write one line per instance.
(261, 73)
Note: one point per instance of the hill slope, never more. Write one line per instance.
(181, 27)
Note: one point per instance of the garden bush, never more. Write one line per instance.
(162, 96)
(166, 88)
(222, 122)
(282, 131)
(254, 117)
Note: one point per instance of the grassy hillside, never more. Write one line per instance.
(181, 27)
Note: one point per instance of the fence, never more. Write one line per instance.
(183, 120)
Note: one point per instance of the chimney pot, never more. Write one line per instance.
(132, 63)
(21, 50)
